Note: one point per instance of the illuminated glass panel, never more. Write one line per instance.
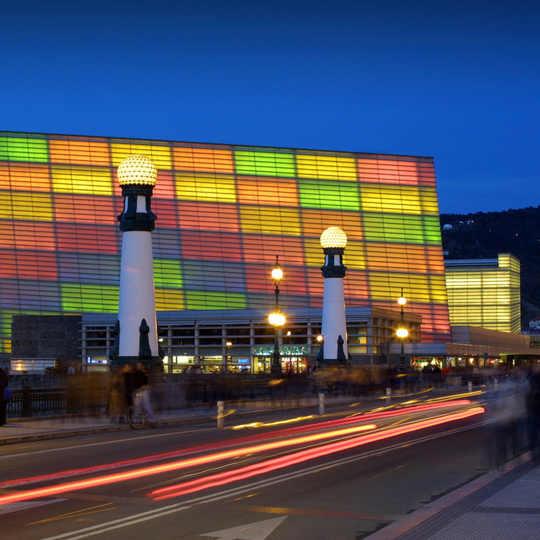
(330, 195)
(23, 149)
(83, 180)
(80, 298)
(80, 152)
(201, 245)
(203, 160)
(169, 300)
(214, 300)
(27, 206)
(261, 163)
(28, 264)
(340, 168)
(25, 177)
(390, 199)
(208, 216)
(316, 221)
(27, 235)
(278, 192)
(257, 219)
(81, 209)
(401, 228)
(206, 187)
(167, 274)
(87, 238)
(263, 249)
(159, 154)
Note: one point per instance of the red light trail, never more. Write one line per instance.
(254, 469)
(299, 457)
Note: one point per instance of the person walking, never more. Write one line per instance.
(3, 401)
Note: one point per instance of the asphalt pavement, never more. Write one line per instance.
(503, 504)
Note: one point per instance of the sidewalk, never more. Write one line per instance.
(19, 430)
(500, 505)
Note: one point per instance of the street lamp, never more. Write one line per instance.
(402, 333)
(276, 319)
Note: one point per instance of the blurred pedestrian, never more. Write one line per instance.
(4, 396)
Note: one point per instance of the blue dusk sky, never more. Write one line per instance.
(455, 80)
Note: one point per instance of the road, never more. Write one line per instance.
(342, 476)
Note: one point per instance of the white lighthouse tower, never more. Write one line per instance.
(136, 329)
(334, 325)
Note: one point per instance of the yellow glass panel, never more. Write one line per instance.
(205, 187)
(81, 152)
(29, 206)
(390, 199)
(282, 221)
(87, 180)
(313, 251)
(169, 300)
(387, 286)
(354, 256)
(160, 155)
(341, 168)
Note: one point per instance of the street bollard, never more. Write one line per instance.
(496, 381)
(388, 395)
(321, 404)
(220, 414)
(469, 384)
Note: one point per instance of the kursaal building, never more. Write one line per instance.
(224, 213)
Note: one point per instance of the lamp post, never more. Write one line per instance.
(136, 328)
(276, 319)
(402, 332)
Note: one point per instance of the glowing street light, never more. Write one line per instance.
(276, 319)
(402, 333)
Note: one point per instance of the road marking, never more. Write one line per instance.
(18, 506)
(254, 531)
(117, 441)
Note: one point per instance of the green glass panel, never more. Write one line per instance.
(405, 229)
(215, 300)
(23, 149)
(264, 163)
(432, 227)
(334, 195)
(167, 274)
(89, 298)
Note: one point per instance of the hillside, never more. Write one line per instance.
(485, 235)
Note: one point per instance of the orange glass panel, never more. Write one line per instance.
(316, 284)
(28, 265)
(84, 209)
(203, 159)
(88, 239)
(387, 171)
(208, 216)
(25, 177)
(263, 249)
(167, 213)
(315, 222)
(201, 245)
(355, 285)
(275, 192)
(79, 152)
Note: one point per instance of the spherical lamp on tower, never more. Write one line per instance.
(136, 329)
(334, 325)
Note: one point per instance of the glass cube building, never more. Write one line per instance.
(485, 293)
(224, 213)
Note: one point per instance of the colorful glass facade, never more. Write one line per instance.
(224, 213)
(485, 293)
